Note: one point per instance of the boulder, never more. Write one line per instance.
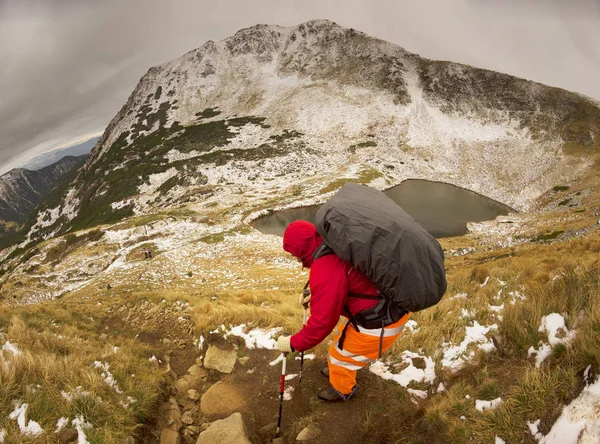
(221, 360)
(225, 431)
(221, 399)
(310, 432)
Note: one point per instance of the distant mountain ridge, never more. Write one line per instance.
(270, 107)
(21, 190)
(45, 159)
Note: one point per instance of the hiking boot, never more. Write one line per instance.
(325, 372)
(333, 395)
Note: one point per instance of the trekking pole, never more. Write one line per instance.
(302, 353)
(281, 386)
(305, 293)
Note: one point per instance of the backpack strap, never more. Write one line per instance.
(322, 250)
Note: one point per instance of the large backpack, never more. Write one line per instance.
(363, 226)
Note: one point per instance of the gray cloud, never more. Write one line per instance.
(66, 66)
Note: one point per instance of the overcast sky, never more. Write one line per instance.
(67, 66)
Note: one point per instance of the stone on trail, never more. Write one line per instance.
(310, 432)
(187, 418)
(197, 371)
(193, 395)
(168, 436)
(221, 399)
(221, 360)
(267, 432)
(67, 435)
(225, 431)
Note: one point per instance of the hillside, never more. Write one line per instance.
(100, 342)
(319, 99)
(21, 190)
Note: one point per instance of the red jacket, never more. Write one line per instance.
(331, 279)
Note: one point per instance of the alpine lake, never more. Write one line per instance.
(442, 209)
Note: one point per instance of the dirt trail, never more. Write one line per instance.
(378, 414)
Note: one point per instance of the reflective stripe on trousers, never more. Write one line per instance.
(360, 348)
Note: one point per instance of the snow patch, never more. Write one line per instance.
(107, 375)
(257, 337)
(408, 374)
(487, 405)
(30, 428)
(156, 180)
(454, 355)
(579, 421)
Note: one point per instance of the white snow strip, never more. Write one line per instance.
(552, 324)
(309, 356)
(61, 423)
(499, 440)
(422, 394)
(290, 377)
(441, 388)
(81, 425)
(459, 296)
(496, 308)
(485, 282)
(107, 375)
(533, 429)
(541, 354)
(411, 325)
(11, 348)
(2, 435)
(287, 393)
(257, 337)
(484, 405)
(454, 355)
(78, 393)
(30, 428)
(579, 421)
(156, 180)
(408, 374)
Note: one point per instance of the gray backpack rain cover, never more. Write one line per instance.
(368, 229)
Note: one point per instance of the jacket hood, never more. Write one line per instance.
(302, 239)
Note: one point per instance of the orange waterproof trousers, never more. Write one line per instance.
(359, 349)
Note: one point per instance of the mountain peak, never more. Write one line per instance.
(321, 91)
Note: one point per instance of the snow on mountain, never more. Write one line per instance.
(275, 107)
(21, 190)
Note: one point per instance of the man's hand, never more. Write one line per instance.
(283, 344)
(305, 298)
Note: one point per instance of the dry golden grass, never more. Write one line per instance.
(555, 277)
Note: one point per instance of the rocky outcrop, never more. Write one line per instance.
(220, 359)
(225, 431)
(221, 399)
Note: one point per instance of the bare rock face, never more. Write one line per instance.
(221, 360)
(225, 431)
(221, 399)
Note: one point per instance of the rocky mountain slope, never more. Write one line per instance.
(21, 190)
(270, 107)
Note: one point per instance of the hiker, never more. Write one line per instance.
(336, 288)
